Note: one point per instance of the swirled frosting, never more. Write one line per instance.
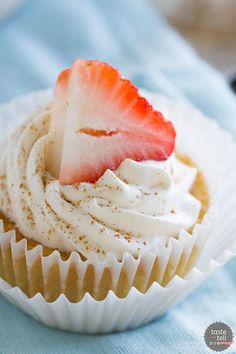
(135, 207)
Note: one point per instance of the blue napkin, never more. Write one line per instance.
(35, 44)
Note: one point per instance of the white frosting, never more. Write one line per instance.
(135, 207)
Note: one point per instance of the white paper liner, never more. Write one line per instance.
(204, 142)
(113, 313)
(177, 257)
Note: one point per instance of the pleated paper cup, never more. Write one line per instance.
(113, 313)
(33, 272)
(66, 293)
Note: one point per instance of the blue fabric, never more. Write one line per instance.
(35, 44)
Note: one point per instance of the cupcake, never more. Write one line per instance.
(94, 197)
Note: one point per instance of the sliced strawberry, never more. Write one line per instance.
(107, 121)
(57, 123)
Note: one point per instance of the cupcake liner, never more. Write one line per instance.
(113, 313)
(33, 272)
(128, 293)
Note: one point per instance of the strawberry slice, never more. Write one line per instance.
(105, 121)
(57, 123)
